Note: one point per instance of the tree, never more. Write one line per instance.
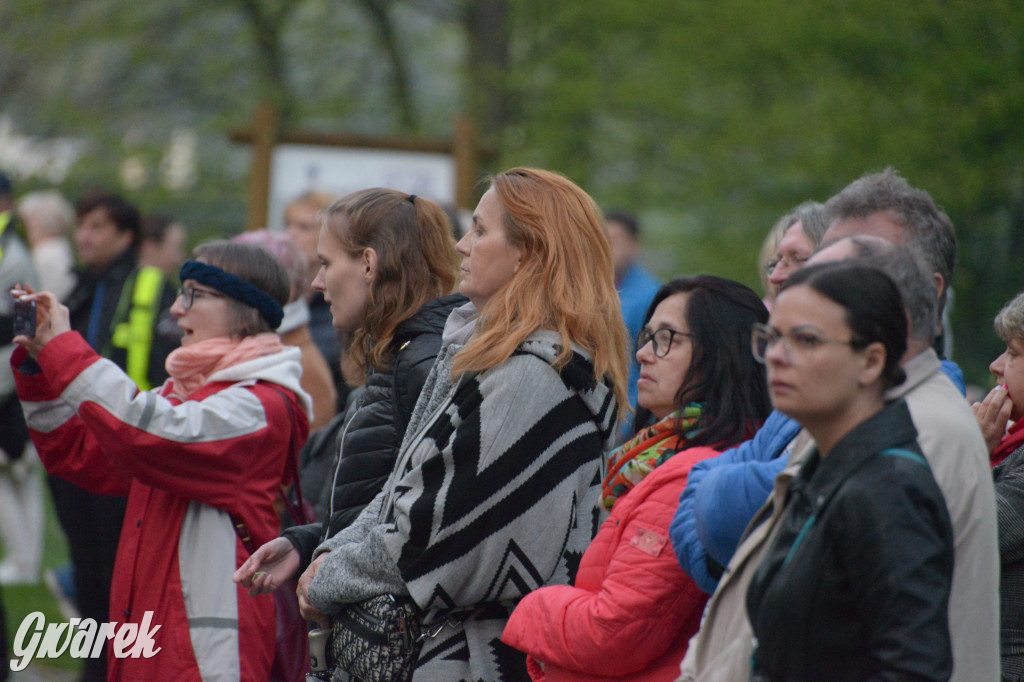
(711, 120)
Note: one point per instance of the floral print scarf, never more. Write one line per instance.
(640, 455)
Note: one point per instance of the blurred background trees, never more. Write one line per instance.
(709, 120)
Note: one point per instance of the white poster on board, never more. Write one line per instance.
(298, 168)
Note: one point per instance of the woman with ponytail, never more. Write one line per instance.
(387, 269)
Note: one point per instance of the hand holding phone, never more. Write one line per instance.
(43, 307)
(25, 318)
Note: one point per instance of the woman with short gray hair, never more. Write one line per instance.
(1002, 406)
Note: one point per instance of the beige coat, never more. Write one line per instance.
(952, 443)
(316, 380)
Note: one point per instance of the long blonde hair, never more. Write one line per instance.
(564, 283)
(416, 261)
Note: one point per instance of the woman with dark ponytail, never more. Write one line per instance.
(855, 583)
(632, 610)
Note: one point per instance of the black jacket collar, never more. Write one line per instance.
(117, 270)
(891, 427)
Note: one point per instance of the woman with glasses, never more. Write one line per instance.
(855, 584)
(801, 232)
(632, 610)
(202, 458)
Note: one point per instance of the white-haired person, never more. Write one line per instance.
(317, 379)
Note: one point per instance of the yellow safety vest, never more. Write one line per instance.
(5, 221)
(135, 332)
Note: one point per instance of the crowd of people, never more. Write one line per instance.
(527, 459)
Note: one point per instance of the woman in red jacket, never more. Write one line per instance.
(202, 453)
(632, 610)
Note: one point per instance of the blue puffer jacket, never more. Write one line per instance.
(739, 492)
(724, 493)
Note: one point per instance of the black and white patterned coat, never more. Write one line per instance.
(1009, 484)
(495, 494)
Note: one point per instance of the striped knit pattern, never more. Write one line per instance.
(496, 496)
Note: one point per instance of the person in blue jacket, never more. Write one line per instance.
(636, 287)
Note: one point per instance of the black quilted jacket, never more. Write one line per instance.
(376, 423)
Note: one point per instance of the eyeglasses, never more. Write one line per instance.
(661, 340)
(799, 344)
(189, 295)
(793, 262)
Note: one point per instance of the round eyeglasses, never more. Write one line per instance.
(190, 294)
(793, 262)
(799, 343)
(661, 340)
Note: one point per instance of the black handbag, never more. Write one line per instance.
(377, 640)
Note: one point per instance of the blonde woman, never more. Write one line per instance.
(497, 483)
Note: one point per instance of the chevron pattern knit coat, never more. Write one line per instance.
(495, 495)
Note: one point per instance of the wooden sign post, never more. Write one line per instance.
(264, 134)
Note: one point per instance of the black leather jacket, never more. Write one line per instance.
(856, 584)
(376, 423)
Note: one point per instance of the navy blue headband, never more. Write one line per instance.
(235, 287)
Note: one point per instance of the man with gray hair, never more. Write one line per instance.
(956, 453)
(885, 205)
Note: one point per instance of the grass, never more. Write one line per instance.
(21, 600)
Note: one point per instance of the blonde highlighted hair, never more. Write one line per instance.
(416, 261)
(315, 199)
(564, 283)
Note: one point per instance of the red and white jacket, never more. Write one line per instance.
(187, 468)
(632, 610)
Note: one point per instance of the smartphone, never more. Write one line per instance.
(25, 318)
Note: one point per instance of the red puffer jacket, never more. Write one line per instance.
(632, 611)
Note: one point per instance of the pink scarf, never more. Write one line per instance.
(190, 366)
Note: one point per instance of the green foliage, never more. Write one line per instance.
(21, 600)
(710, 119)
(725, 115)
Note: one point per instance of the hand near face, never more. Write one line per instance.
(992, 414)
